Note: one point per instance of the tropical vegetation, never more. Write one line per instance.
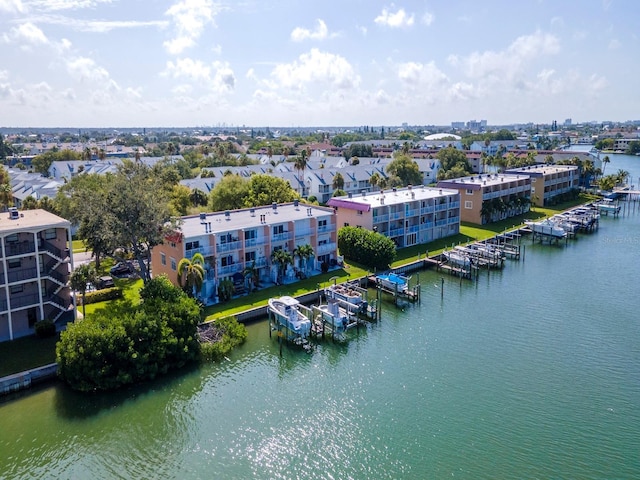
(365, 247)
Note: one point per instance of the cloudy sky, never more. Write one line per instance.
(101, 63)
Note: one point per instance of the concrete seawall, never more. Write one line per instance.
(24, 380)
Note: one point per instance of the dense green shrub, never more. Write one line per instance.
(368, 248)
(45, 329)
(111, 348)
(232, 335)
(103, 295)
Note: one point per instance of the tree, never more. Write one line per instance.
(28, 203)
(6, 195)
(198, 198)
(338, 181)
(180, 199)
(191, 274)
(374, 179)
(81, 276)
(266, 190)
(366, 247)
(83, 200)
(138, 212)
(42, 162)
(229, 193)
(300, 165)
(252, 274)
(405, 170)
(304, 253)
(633, 148)
(451, 158)
(281, 258)
(605, 161)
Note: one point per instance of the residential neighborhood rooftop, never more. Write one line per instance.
(391, 197)
(484, 179)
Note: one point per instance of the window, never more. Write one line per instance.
(278, 229)
(11, 238)
(173, 263)
(250, 256)
(14, 263)
(469, 191)
(412, 239)
(173, 244)
(359, 212)
(16, 288)
(250, 234)
(322, 223)
(468, 205)
(346, 224)
(50, 234)
(192, 245)
(163, 258)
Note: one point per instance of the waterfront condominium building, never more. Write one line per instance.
(34, 271)
(491, 197)
(409, 216)
(236, 240)
(549, 181)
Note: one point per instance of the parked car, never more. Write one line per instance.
(121, 268)
(105, 282)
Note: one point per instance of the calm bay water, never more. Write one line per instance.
(530, 372)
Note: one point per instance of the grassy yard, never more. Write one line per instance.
(77, 246)
(25, 353)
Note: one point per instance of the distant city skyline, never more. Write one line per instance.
(110, 63)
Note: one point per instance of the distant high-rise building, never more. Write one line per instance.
(567, 122)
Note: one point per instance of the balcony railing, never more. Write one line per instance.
(396, 232)
(326, 228)
(24, 300)
(19, 248)
(303, 233)
(427, 209)
(412, 212)
(441, 206)
(426, 225)
(250, 242)
(380, 218)
(281, 237)
(440, 223)
(325, 248)
(413, 228)
(395, 215)
(229, 269)
(227, 247)
(22, 274)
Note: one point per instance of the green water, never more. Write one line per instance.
(531, 372)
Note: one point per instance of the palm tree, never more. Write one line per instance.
(102, 154)
(80, 278)
(137, 155)
(304, 253)
(605, 160)
(86, 154)
(191, 273)
(252, 273)
(622, 176)
(374, 179)
(6, 194)
(281, 258)
(338, 181)
(269, 152)
(300, 165)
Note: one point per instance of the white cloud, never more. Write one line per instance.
(394, 20)
(40, 5)
(218, 76)
(614, 44)
(189, 17)
(321, 32)
(11, 6)
(427, 18)
(508, 63)
(26, 33)
(189, 68)
(318, 67)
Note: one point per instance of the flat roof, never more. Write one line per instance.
(31, 220)
(220, 222)
(485, 179)
(400, 196)
(542, 169)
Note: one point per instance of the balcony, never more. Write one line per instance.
(325, 248)
(305, 232)
(396, 232)
(192, 251)
(250, 242)
(22, 274)
(413, 229)
(395, 215)
(441, 207)
(453, 220)
(229, 269)
(326, 228)
(427, 209)
(19, 248)
(380, 218)
(440, 223)
(281, 237)
(227, 247)
(426, 225)
(25, 300)
(454, 205)
(414, 212)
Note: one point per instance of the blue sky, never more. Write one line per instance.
(110, 63)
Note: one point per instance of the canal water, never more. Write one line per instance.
(529, 372)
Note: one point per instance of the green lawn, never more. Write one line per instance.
(25, 353)
(77, 246)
